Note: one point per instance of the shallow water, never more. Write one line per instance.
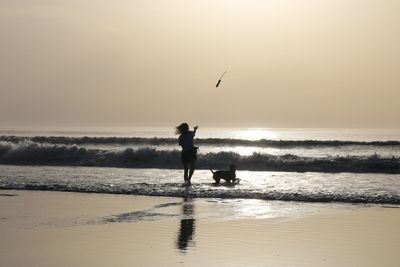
(312, 165)
(286, 186)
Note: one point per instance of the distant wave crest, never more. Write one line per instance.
(64, 140)
(34, 153)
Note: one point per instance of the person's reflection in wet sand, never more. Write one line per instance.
(187, 227)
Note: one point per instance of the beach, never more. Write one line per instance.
(79, 229)
(199, 133)
(306, 197)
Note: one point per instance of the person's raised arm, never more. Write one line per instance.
(195, 129)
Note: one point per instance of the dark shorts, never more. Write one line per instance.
(189, 155)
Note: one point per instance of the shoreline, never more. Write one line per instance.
(41, 228)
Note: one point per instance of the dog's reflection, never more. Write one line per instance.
(187, 227)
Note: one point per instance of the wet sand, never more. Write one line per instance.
(71, 229)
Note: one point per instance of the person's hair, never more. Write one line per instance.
(182, 129)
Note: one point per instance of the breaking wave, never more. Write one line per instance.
(36, 153)
(64, 140)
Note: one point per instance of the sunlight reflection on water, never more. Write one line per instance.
(255, 134)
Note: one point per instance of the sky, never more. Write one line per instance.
(289, 63)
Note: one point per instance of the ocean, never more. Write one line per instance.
(356, 166)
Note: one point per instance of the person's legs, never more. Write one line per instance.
(192, 164)
(185, 171)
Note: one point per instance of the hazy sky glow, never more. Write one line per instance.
(291, 63)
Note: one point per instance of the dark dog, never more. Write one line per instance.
(229, 176)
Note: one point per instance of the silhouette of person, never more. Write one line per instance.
(189, 151)
(187, 227)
